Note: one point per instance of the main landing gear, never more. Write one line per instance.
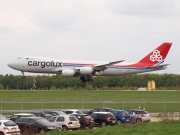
(86, 79)
(23, 76)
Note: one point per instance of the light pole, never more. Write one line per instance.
(82, 103)
(1, 106)
(123, 104)
(62, 103)
(21, 104)
(164, 106)
(144, 105)
(42, 105)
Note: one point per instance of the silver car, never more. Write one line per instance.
(66, 122)
(137, 115)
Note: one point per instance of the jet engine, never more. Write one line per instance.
(86, 70)
(68, 73)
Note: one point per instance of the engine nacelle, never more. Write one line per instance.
(86, 70)
(68, 73)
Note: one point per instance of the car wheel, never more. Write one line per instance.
(82, 126)
(1, 133)
(103, 124)
(90, 127)
(42, 131)
(64, 128)
(138, 121)
(119, 122)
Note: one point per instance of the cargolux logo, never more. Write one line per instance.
(156, 56)
(43, 64)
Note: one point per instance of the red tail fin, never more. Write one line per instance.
(158, 55)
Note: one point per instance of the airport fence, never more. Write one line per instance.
(22, 106)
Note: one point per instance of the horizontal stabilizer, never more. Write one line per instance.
(159, 66)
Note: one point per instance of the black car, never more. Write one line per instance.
(85, 120)
(100, 110)
(14, 117)
(31, 125)
(104, 118)
(42, 114)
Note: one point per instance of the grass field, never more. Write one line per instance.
(153, 128)
(152, 101)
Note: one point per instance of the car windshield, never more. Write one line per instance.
(43, 121)
(3, 117)
(143, 112)
(69, 112)
(72, 118)
(61, 113)
(87, 117)
(9, 123)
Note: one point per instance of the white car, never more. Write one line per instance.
(72, 111)
(8, 127)
(66, 122)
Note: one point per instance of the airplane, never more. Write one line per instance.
(87, 70)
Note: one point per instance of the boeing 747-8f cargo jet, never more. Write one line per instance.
(87, 70)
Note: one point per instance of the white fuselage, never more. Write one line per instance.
(55, 66)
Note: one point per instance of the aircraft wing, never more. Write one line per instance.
(159, 66)
(103, 66)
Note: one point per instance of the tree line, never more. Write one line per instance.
(57, 82)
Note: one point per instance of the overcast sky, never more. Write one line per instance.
(105, 30)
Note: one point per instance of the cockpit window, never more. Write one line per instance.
(27, 58)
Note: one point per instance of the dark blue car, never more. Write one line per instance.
(122, 116)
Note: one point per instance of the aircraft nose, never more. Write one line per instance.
(11, 64)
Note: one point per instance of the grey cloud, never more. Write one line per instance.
(151, 8)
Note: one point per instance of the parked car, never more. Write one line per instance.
(85, 120)
(18, 115)
(104, 118)
(72, 111)
(54, 113)
(137, 115)
(100, 110)
(2, 117)
(8, 127)
(31, 125)
(66, 122)
(122, 116)
(42, 114)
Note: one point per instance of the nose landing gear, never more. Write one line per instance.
(23, 76)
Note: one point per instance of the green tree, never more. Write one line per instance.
(1, 87)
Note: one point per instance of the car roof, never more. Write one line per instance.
(102, 112)
(119, 110)
(5, 120)
(103, 108)
(136, 110)
(62, 115)
(80, 114)
(70, 110)
(23, 114)
(33, 117)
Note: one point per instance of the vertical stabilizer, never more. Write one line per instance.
(158, 55)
